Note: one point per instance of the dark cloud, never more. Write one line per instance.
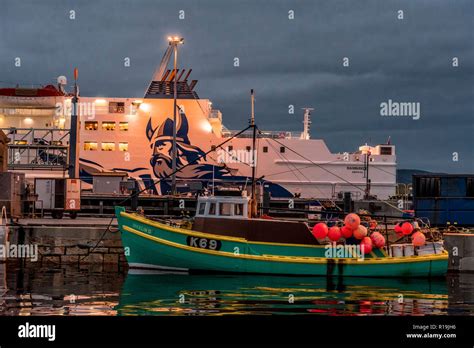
(296, 62)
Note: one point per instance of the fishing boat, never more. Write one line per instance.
(223, 238)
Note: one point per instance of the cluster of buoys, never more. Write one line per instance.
(352, 228)
(408, 228)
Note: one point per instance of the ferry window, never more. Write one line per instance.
(117, 107)
(265, 149)
(202, 208)
(108, 146)
(90, 146)
(282, 149)
(20, 142)
(123, 126)
(213, 147)
(230, 148)
(385, 150)
(247, 148)
(108, 125)
(212, 209)
(91, 125)
(123, 146)
(225, 209)
(239, 209)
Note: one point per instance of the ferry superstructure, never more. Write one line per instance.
(134, 135)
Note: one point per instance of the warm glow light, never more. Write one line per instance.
(101, 101)
(137, 101)
(144, 107)
(207, 127)
(28, 120)
(175, 40)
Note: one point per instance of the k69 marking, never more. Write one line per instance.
(203, 243)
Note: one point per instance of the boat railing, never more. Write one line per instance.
(263, 134)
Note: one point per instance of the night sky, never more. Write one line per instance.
(287, 61)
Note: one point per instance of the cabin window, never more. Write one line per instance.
(123, 146)
(282, 149)
(239, 209)
(230, 148)
(108, 125)
(265, 149)
(225, 209)
(116, 107)
(20, 142)
(247, 148)
(212, 209)
(91, 125)
(108, 146)
(123, 126)
(202, 208)
(90, 146)
(213, 147)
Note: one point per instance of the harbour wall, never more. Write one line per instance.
(71, 242)
(461, 251)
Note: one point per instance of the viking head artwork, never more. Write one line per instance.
(161, 143)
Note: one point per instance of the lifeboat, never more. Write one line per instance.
(44, 97)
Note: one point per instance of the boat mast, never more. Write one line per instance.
(254, 157)
(73, 169)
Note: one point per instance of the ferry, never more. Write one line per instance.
(134, 135)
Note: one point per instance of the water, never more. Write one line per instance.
(34, 290)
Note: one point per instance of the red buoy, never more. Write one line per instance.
(320, 230)
(398, 228)
(352, 221)
(346, 232)
(407, 228)
(377, 239)
(334, 233)
(360, 232)
(366, 245)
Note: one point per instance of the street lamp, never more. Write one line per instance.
(174, 41)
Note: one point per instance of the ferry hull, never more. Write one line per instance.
(149, 242)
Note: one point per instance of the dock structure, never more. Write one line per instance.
(461, 251)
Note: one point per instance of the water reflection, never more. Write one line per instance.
(34, 290)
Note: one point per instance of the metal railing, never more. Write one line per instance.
(37, 148)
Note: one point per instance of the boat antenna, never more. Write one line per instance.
(253, 211)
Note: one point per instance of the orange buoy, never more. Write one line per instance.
(360, 232)
(418, 239)
(352, 221)
(366, 245)
(377, 239)
(346, 232)
(320, 230)
(407, 228)
(334, 233)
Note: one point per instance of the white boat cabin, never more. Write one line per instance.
(231, 207)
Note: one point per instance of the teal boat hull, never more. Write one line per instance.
(150, 244)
